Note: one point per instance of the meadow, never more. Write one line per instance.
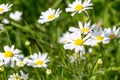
(50, 40)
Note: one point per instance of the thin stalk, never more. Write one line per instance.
(95, 67)
(4, 76)
(9, 41)
(30, 50)
(37, 73)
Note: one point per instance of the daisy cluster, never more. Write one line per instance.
(87, 35)
(76, 7)
(49, 15)
(15, 16)
(11, 57)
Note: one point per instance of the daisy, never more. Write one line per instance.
(4, 8)
(78, 6)
(49, 15)
(21, 63)
(16, 16)
(83, 28)
(73, 57)
(76, 56)
(38, 60)
(5, 21)
(90, 50)
(77, 42)
(64, 39)
(111, 33)
(98, 36)
(16, 76)
(11, 55)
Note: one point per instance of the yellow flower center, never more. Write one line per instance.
(8, 54)
(39, 62)
(21, 63)
(78, 42)
(111, 36)
(15, 77)
(50, 17)
(75, 55)
(85, 30)
(78, 7)
(99, 38)
(20, 78)
(1, 9)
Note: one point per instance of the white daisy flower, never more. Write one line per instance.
(23, 75)
(5, 8)
(90, 50)
(83, 28)
(73, 57)
(16, 76)
(78, 6)
(64, 39)
(76, 56)
(38, 60)
(49, 15)
(11, 55)
(21, 63)
(5, 21)
(16, 16)
(77, 42)
(98, 36)
(111, 33)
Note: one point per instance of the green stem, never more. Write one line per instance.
(37, 73)
(30, 50)
(9, 41)
(16, 25)
(95, 67)
(4, 76)
(23, 28)
(47, 76)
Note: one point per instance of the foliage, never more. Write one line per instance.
(44, 38)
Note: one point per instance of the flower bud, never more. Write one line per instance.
(27, 43)
(48, 71)
(99, 61)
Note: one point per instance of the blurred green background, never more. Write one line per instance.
(44, 37)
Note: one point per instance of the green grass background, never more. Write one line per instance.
(44, 38)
